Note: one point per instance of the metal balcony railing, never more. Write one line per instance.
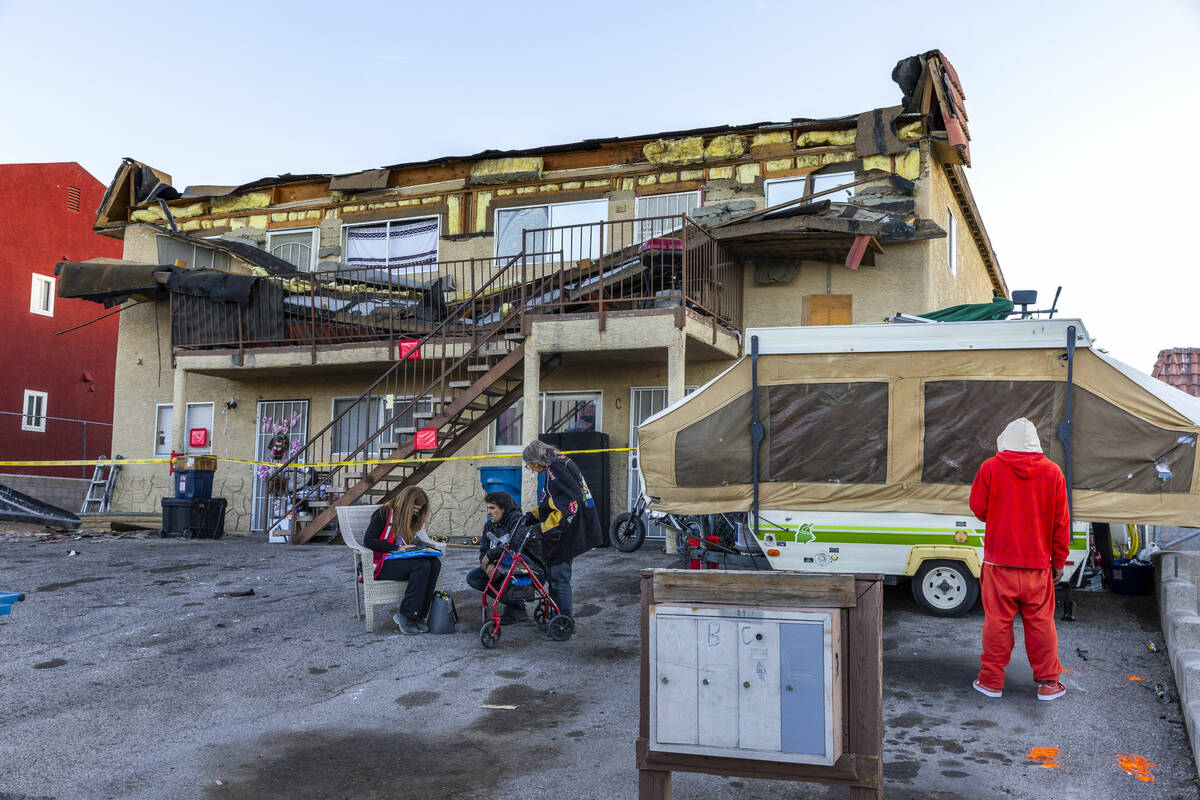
(636, 264)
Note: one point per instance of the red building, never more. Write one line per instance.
(52, 384)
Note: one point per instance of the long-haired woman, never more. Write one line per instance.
(397, 528)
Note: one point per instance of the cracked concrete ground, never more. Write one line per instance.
(124, 676)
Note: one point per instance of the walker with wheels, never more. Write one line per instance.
(514, 579)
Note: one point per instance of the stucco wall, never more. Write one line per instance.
(910, 277)
(972, 284)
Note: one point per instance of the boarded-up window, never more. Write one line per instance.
(829, 432)
(963, 419)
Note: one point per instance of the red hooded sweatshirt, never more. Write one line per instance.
(1023, 499)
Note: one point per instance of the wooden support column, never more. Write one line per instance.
(531, 417)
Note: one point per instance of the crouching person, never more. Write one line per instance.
(566, 515)
(503, 520)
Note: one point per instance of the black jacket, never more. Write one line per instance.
(508, 524)
(570, 523)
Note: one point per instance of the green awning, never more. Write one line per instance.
(999, 308)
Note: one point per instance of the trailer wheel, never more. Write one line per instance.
(945, 588)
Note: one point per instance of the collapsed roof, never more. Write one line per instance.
(931, 90)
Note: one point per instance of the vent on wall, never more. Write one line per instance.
(73, 198)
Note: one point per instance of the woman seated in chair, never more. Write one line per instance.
(396, 534)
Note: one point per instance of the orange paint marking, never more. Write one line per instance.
(1046, 756)
(1137, 766)
(1064, 670)
(1136, 678)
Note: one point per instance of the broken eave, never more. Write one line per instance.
(111, 282)
(802, 245)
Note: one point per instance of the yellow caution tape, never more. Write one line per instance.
(252, 462)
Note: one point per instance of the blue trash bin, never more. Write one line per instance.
(502, 479)
(193, 483)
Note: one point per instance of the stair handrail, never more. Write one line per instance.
(468, 303)
(501, 323)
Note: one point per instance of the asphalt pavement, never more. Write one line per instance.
(139, 668)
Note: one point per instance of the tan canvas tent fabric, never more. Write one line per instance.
(899, 418)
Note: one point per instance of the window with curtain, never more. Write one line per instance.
(404, 246)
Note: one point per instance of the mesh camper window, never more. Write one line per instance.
(828, 432)
(1114, 450)
(963, 419)
(815, 433)
(715, 450)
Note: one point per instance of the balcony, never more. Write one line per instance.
(361, 317)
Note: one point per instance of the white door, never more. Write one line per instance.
(644, 402)
(289, 417)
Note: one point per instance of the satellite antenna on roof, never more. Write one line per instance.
(1028, 297)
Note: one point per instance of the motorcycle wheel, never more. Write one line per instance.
(627, 532)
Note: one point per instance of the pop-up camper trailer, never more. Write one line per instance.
(872, 434)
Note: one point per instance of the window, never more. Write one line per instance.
(364, 416)
(576, 243)
(41, 295)
(34, 418)
(298, 248)
(561, 412)
(197, 415)
(951, 242)
(73, 199)
(663, 205)
(193, 254)
(781, 190)
(404, 246)
(164, 420)
(829, 180)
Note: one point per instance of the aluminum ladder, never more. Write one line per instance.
(99, 493)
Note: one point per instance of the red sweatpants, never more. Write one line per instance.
(1006, 591)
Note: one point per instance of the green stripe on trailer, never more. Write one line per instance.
(899, 536)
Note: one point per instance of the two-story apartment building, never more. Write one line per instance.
(461, 306)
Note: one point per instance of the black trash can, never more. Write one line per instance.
(193, 517)
(1132, 577)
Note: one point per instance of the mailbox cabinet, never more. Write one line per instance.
(746, 682)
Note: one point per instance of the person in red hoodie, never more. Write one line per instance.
(1022, 497)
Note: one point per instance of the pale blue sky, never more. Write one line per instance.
(1083, 115)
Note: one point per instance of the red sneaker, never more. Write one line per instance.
(989, 691)
(1050, 690)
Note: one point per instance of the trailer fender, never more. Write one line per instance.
(967, 555)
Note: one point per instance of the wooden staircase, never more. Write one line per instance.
(468, 414)
(457, 379)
